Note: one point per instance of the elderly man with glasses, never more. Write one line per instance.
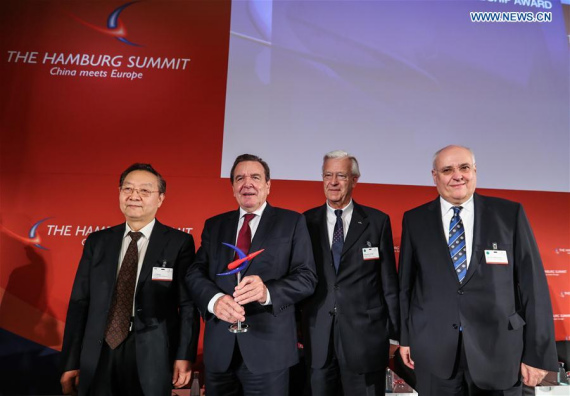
(131, 327)
(354, 312)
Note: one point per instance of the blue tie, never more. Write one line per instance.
(337, 240)
(457, 246)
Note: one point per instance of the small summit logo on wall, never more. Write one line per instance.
(33, 237)
(115, 26)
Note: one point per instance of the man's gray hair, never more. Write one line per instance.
(450, 146)
(340, 154)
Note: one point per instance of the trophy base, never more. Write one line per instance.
(233, 328)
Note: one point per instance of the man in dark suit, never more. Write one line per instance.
(256, 362)
(131, 327)
(476, 313)
(354, 311)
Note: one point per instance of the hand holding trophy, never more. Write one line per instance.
(234, 267)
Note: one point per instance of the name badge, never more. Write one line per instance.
(496, 257)
(162, 274)
(370, 253)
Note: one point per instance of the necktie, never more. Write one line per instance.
(337, 240)
(244, 235)
(457, 246)
(119, 319)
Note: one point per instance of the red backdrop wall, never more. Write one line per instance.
(66, 137)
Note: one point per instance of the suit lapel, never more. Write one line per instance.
(156, 244)
(479, 207)
(435, 218)
(325, 243)
(114, 249)
(263, 229)
(358, 224)
(227, 234)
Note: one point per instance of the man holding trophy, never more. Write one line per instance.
(250, 338)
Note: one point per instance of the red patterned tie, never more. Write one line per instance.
(244, 235)
(119, 319)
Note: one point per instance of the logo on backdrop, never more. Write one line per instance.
(60, 230)
(33, 237)
(115, 26)
(87, 65)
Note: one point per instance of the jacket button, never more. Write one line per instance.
(336, 287)
(454, 326)
(460, 292)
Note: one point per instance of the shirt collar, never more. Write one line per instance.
(257, 212)
(447, 206)
(348, 208)
(146, 230)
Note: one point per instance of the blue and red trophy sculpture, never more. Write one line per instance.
(237, 266)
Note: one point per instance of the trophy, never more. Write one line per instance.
(238, 266)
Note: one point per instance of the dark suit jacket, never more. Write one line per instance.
(165, 322)
(504, 310)
(365, 292)
(287, 269)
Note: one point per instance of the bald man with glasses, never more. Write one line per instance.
(475, 306)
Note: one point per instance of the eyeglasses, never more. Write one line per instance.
(450, 170)
(142, 192)
(339, 176)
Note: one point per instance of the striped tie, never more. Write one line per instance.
(457, 246)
